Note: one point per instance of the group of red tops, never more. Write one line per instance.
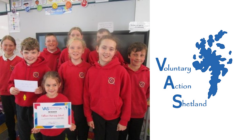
(132, 91)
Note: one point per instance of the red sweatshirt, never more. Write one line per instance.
(34, 72)
(65, 56)
(107, 92)
(93, 57)
(73, 79)
(7, 66)
(59, 98)
(140, 85)
(51, 58)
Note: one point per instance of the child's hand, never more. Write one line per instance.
(39, 90)
(14, 91)
(91, 124)
(73, 127)
(121, 127)
(35, 130)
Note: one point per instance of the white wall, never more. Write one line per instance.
(3, 28)
(5, 1)
(3, 6)
(120, 13)
(142, 13)
(3, 25)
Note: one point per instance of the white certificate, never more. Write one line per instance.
(52, 115)
(25, 85)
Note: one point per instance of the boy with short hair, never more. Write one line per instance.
(52, 52)
(140, 89)
(93, 56)
(32, 68)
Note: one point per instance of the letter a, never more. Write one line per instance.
(170, 83)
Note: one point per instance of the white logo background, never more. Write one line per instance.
(176, 26)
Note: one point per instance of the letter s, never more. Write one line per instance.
(175, 100)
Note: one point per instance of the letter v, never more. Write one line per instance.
(159, 65)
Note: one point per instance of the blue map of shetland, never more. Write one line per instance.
(210, 60)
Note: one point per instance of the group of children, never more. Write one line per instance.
(107, 94)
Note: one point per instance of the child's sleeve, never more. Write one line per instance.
(73, 121)
(148, 90)
(90, 58)
(125, 94)
(86, 100)
(72, 112)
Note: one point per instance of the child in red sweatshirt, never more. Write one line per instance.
(7, 63)
(74, 32)
(51, 83)
(93, 55)
(140, 83)
(52, 52)
(73, 73)
(32, 68)
(107, 96)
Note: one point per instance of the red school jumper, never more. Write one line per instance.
(64, 56)
(51, 58)
(73, 77)
(107, 92)
(93, 57)
(59, 98)
(140, 85)
(34, 72)
(7, 66)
